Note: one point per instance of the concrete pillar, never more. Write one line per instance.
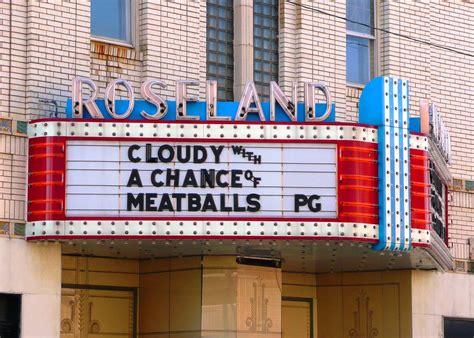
(173, 43)
(240, 301)
(33, 271)
(243, 45)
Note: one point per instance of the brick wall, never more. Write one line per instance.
(453, 90)
(13, 58)
(312, 48)
(12, 178)
(45, 43)
(444, 77)
(57, 49)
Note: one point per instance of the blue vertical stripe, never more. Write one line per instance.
(393, 171)
(407, 217)
(402, 152)
(393, 178)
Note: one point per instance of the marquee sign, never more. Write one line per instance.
(185, 108)
(185, 179)
(258, 178)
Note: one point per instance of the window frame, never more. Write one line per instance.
(224, 77)
(310, 302)
(94, 287)
(453, 319)
(14, 303)
(374, 68)
(133, 30)
(278, 51)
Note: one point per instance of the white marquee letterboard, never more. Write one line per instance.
(183, 179)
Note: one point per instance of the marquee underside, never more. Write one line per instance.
(296, 256)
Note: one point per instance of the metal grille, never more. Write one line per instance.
(4, 228)
(220, 49)
(19, 229)
(265, 29)
(438, 203)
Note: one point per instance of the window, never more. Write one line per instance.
(4, 228)
(265, 41)
(458, 328)
(360, 41)
(10, 309)
(438, 203)
(111, 20)
(220, 47)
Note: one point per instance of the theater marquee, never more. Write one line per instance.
(267, 174)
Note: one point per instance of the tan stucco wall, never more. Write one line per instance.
(233, 304)
(34, 271)
(437, 295)
(300, 286)
(405, 304)
(173, 293)
(170, 298)
(384, 298)
(169, 290)
(78, 270)
(185, 297)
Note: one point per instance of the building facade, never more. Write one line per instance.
(151, 286)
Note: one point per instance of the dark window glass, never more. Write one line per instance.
(265, 41)
(111, 19)
(10, 306)
(458, 328)
(220, 49)
(438, 203)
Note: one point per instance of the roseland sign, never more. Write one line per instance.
(154, 107)
(230, 170)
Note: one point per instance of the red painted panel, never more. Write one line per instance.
(358, 182)
(46, 178)
(420, 189)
